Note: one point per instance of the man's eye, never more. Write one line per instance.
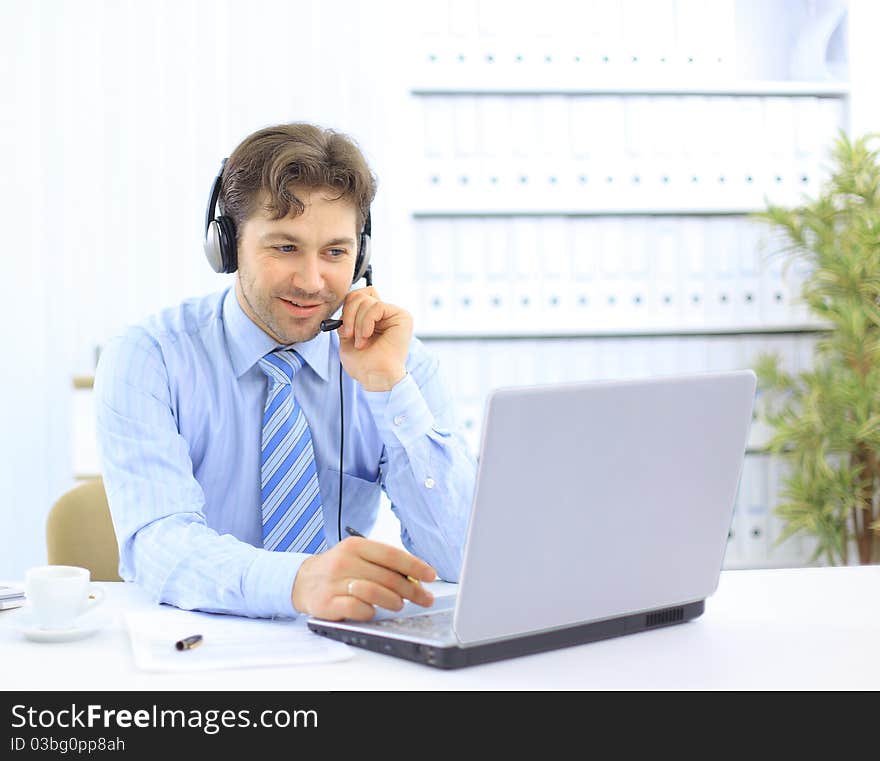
(284, 249)
(336, 252)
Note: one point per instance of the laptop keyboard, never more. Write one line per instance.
(437, 624)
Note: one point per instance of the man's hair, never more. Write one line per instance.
(274, 159)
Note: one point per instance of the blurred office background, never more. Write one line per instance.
(563, 190)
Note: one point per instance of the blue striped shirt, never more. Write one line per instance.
(179, 407)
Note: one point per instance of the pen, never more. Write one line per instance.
(188, 643)
(353, 532)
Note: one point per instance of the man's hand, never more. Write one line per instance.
(374, 340)
(349, 579)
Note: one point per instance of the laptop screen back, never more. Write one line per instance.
(601, 499)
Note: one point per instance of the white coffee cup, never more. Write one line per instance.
(59, 594)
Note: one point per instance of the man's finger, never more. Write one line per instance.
(347, 606)
(374, 594)
(367, 317)
(375, 567)
(392, 558)
(396, 583)
(349, 316)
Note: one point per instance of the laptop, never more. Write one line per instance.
(601, 509)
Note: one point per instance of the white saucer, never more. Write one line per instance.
(84, 626)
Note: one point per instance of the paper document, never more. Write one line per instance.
(11, 597)
(227, 641)
(10, 592)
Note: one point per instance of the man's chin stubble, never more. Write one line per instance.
(313, 333)
(287, 338)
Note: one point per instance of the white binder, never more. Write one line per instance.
(555, 184)
(581, 127)
(749, 289)
(525, 126)
(693, 355)
(469, 373)
(612, 47)
(465, 123)
(635, 289)
(525, 309)
(775, 291)
(733, 553)
(610, 259)
(494, 130)
(753, 511)
(498, 263)
(583, 248)
(463, 20)
(663, 359)
(722, 271)
(692, 255)
(555, 284)
(649, 35)
(664, 179)
(468, 296)
(705, 38)
(747, 152)
(723, 353)
(438, 130)
(611, 181)
(666, 299)
(696, 170)
(436, 243)
(779, 177)
(719, 166)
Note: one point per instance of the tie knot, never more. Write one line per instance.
(281, 365)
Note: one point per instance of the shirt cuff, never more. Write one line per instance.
(268, 583)
(402, 415)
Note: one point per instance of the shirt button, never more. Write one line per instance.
(429, 483)
(399, 419)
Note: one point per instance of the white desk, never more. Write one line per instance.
(789, 629)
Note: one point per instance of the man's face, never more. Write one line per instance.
(296, 271)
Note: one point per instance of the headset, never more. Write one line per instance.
(221, 250)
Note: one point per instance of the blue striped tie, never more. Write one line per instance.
(292, 517)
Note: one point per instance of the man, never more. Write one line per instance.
(219, 420)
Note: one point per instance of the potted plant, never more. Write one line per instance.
(826, 421)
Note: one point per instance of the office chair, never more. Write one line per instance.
(79, 531)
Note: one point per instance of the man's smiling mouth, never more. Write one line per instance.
(298, 309)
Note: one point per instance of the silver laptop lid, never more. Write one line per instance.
(600, 499)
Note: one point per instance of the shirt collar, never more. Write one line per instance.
(248, 342)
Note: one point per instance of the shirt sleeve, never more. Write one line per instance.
(156, 503)
(428, 471)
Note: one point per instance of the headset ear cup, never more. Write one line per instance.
(213, 248)
(213, 242)
(363, 258)
(228, 245)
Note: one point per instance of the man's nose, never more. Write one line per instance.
(307, 276)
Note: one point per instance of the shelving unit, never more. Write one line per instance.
(582, 201)
(650, 93)
(626, 86)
